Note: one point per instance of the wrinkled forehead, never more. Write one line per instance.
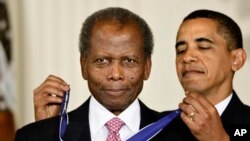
(197, 26)
(200, 22)
(113, 31)
(115, 34)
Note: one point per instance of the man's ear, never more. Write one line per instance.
(239, 58)
(84, 67)
(147, 68)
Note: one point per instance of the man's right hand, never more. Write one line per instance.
(48, 97)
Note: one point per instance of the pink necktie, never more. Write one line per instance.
(114, 125)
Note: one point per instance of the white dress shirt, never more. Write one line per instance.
(221, 106)
(99, 116)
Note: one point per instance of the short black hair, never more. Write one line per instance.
(227, 27)
(122, 16)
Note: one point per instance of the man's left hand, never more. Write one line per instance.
(202, 118)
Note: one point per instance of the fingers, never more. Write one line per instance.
(196, 108)
(50, 91)
(188, 114)
(43, 100)
(52, 85)
(196, 103)
(48, 96)
(201, 116)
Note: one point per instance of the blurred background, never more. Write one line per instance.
(40, 37)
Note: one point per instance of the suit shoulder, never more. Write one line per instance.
(39, 130)
(50, 122)
(247, 111)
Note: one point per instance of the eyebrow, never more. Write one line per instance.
(202, 39)
(179, 43)
(199, 40)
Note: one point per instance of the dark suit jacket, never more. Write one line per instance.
(78, 128)
(236, 113)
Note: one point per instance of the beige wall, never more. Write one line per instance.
(46, 42)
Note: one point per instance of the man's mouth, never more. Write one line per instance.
(115, 92)
(192, 72)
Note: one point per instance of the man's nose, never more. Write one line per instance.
(190, 57)
(116, 72)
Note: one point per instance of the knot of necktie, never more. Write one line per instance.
(114, 125)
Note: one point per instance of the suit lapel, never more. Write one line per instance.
(77, 132)
(148, 116)
(78, 128)
(234, 113)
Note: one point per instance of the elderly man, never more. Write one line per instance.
(116, 47)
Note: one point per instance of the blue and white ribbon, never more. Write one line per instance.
(64, 119)
(153, 129)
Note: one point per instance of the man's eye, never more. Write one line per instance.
(179, 51)
(129, 60)
(101, 61)
(204, 47)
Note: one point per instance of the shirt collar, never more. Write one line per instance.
(99, 115)
(221, 106)
(131, 116)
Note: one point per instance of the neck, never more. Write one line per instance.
(116, 112)
(217, 95)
